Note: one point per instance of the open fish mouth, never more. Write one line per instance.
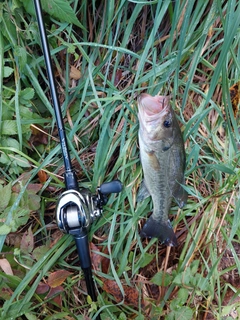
(152, 110)
(152, 105)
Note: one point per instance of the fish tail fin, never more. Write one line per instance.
(161, 230)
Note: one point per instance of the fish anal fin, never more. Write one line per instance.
(180, 195)
(143, 192)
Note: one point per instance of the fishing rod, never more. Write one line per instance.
(76, 209)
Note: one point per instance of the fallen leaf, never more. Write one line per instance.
(105, 262)
(27, 242)
(14, 239)
(5, 266)
(38, 136)
(42, 288)
(96, 258)
(55, 294)
(131, 294)
(118, 77)
(235, 97)
(6, 293)
(56, 278)
(33, 188)
(56, 236)
(42, 176)
(75, 73)
(110, 286)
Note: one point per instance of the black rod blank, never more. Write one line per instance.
(70, 179)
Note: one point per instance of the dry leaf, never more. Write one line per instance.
(55, 293)
(42, 288)
(56, 236)
(42, 176)
(105, 262)
(75, 73)
(118, 77)
(131, 296)
(96, 258)
(111, 287)
(14, 239)
(38, 136)
(27, 242)
(6, 293)
(235, 97)
(32, 188)
(56, 278)
(5, 266)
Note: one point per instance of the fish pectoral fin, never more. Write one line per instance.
(180, 195)
(154, 162)
(143, 192)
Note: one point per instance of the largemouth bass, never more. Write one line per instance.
(163, 161)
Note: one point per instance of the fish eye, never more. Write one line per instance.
(167, 123)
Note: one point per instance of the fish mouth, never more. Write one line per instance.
(152, 105)
(152, 110)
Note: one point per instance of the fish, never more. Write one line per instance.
(163, 160)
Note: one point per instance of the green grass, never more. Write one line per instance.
(187, 48)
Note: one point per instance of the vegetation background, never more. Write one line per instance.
(105, 53)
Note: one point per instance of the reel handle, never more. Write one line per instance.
(114, 186)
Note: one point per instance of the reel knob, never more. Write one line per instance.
(114, 186)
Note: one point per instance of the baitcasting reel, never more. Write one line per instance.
(76, 210)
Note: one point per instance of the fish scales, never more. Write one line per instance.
(155, 181)
(163, 161)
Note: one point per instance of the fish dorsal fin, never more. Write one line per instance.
(143, 192)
